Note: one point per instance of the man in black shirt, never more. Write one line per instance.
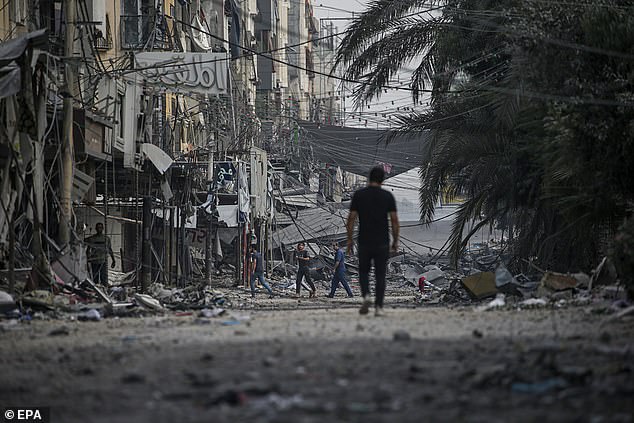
(257, 271)
(303, 270)
(372, 205)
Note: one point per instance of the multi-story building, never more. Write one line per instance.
(159, 90)
(326, 98)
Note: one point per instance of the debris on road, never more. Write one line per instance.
(481, 285)
(497, 302)
(401, 336)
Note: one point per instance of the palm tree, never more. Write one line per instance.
(503, 126)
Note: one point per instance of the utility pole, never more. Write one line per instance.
(146, 246)
(209, 244)
(66, 185)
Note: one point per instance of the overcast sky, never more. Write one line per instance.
(405, 186)
(390, 102)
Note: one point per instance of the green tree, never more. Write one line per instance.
(530, 101)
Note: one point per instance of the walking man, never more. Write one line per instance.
(98, 249)
(303, 270)
(339, 272)
(257, 271)
(372, 205)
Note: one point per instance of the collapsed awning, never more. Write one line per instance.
(159, 158)
(13, 49)
(356, 150)
(10, 53)
(10, 80)
(311, 224)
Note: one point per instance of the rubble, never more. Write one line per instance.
(480, 285)
(481, 275)
(604, 273)
(149, 302)
(6, 302)
(532, 303)
(401, 336)
(558, 281)
(498, 302)
(503, 277)
(91, 315)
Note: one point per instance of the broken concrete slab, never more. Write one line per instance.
(559, 281)
(148, 302)
(480, 285)
(6, 302)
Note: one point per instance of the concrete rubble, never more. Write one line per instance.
(482, 281)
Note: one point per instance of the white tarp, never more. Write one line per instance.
(159, 158)
(229, 215)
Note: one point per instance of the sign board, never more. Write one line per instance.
(204, 73)
(94, 138)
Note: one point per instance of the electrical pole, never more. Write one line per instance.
(146, 246)
(209, 244)
(66, 184)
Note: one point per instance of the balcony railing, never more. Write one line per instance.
(104, 41)
(139, 31)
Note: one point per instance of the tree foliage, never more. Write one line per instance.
(531, 114)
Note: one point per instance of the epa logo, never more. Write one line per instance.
(26, 415)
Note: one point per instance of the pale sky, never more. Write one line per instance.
(390, 102)
(404, 186)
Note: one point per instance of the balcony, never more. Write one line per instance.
(103, 41)
(145, 31)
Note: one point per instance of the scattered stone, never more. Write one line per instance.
(200, 380)
(533, 303)
(269, 361)
(60, 331)
(206, 357)
(575, 374)
(148, 302)
(414, 368)
(559, 281)
(539, 387)
(6, 302)
(85, 371)
(214, 312)
(477, 334)
(133, 378)
(90, 315)
(401, 336)
(623, 313)
(605, 337)
(498, 302)
(230, 397)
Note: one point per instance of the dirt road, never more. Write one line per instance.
(325, 365)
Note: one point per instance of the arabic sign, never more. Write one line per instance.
(204, 73)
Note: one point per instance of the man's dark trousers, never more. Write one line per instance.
(379, 255)
(99, 273)
(301, 273)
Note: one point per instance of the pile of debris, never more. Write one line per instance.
(496, 287)
(86, 301)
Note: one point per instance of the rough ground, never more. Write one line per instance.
(322, 362)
